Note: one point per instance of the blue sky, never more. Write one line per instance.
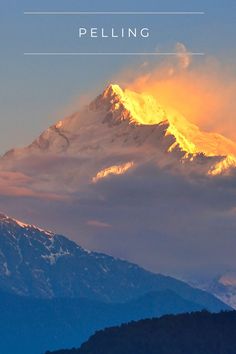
(35, 91)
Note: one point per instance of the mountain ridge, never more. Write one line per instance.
(197, 333)
(38, 264)
(121, 119)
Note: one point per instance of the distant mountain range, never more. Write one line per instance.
(196, 333)
(56, 294)
(222, 286)
(38, 263)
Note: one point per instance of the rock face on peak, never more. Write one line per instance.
(112, 90)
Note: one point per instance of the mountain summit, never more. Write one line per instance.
(123, 122)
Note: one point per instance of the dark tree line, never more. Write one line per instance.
(195, 333)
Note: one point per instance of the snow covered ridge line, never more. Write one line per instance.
(5, 218)
(121, 122)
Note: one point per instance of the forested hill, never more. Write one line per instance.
(196, 333)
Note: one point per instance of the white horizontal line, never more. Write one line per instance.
(55, 13)
(109, 54)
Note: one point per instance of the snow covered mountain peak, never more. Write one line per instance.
(228, 279)
(223, 287)
(4, 219)
(113, 90)
(143, 109)
(124, 122)
(138, 109)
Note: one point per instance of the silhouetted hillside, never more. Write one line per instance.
(44, 324)
(196, 333)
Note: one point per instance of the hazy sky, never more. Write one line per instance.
(36, 91)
